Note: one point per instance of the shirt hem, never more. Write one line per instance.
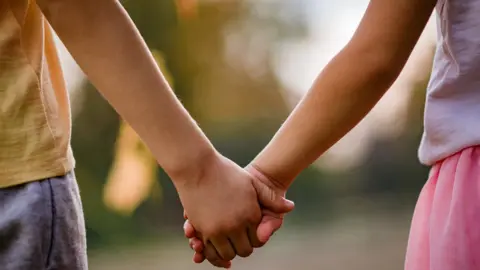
(11, 178)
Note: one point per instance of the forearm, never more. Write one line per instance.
(340, 97)
(105, 43)
(348, 88)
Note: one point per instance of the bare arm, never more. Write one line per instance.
(217, 194)
(348, 88)
(107, 46)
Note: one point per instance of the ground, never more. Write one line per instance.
(374, 241)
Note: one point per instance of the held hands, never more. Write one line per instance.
(271, 197)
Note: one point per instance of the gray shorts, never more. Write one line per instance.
(42, 226)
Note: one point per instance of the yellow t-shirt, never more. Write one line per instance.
(35, 122)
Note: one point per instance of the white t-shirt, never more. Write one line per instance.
(452, 111)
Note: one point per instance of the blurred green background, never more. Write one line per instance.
(239, 67)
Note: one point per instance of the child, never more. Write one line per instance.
(41, 219)
(445, 231)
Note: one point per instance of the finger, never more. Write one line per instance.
(213, 257)
(268, 226)
(224, 248)
(241, 244)
(267, 196)
(188, 229)
(196, 245)
(198, 257)
(270, 200)
(253, 238)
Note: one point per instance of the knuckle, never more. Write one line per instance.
(227, 228)
(245, 222)
(228, 256)
(237, 227)
(213, 232)
(245, 252)
(253, 214)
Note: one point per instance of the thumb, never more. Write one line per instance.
(269, 224)
(271, 200)
(188, 229)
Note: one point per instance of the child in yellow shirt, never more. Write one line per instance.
(41, 219)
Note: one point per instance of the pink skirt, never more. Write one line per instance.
(445, 231)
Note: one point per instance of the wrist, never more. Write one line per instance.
(276, 184)
(190, 171)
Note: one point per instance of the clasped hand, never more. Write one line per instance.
(230, 211)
